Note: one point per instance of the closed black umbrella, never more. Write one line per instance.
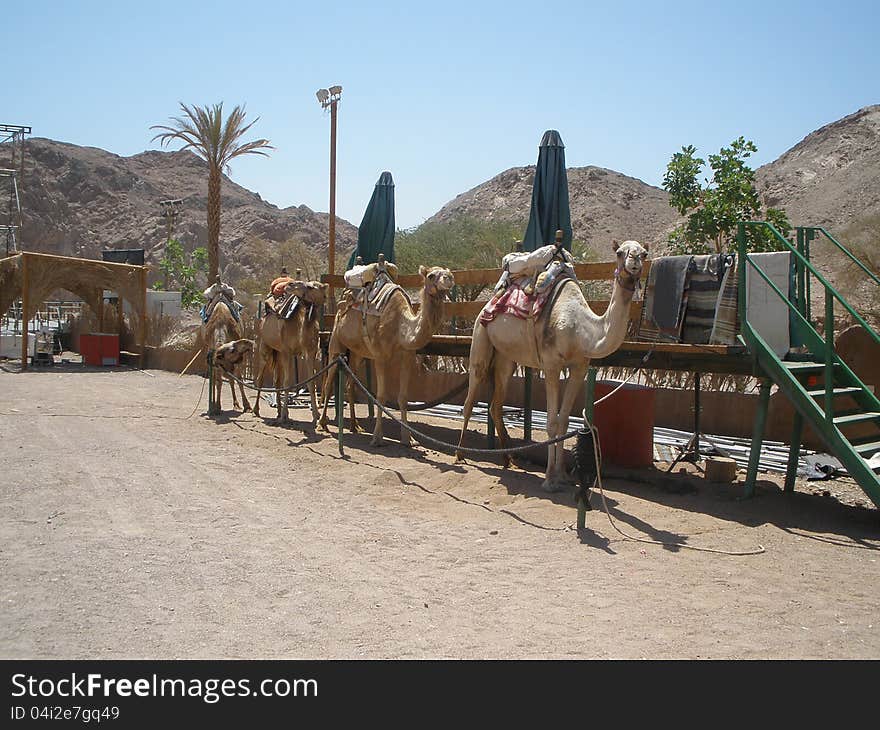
(376, 231)
(549, 211)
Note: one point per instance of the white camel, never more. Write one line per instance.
(567, 334)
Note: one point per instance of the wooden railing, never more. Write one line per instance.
(468, 311)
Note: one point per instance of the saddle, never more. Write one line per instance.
(233, 306)
(528, 282)
(285, 306)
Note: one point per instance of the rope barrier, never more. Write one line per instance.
(294, 387)
(442, 444)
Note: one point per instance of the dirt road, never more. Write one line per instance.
(128, 530)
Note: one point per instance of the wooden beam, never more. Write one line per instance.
(142, 336)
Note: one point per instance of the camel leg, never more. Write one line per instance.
(576, 374)
(333, 352)
(277, 382)
(382, 398)
(244, 398)
(265, 357)
(235, 403)
(286, 372)
(503, 369)
(551, 380)
(479, 365)
(402, 398)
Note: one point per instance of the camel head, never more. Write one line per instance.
(438, 281)
(296, 287)
(631, 256)
(315, 292)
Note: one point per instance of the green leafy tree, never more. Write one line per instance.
(714, 210)
(183, 271)
(218, 141)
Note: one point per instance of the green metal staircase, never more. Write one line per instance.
(824, 391)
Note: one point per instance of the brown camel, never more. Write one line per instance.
(568, 334)
(284, 340)
(390, 339)
(220, 328)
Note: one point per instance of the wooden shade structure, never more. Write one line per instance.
(33, 276)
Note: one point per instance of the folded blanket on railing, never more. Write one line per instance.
(669, 274)
(703, 289)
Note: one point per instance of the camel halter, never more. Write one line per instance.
(636, 287)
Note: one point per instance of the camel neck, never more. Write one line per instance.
(609, 330)
(417, 330)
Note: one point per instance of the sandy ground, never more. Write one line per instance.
(131, 531)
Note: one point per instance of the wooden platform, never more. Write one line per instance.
(726, 359)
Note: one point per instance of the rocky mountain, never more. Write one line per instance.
(605, 205)
(77, 201)
(832, 176)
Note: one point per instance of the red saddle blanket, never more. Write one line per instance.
(515, 301)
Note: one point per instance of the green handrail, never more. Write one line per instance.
(849, 254)
(741, 241)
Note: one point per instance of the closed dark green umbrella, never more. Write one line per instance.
(376, 231)
(549, 211)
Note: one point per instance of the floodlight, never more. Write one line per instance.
(322, 95)
(336, 90)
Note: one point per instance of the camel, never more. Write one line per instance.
(390, 339)
(220, 328)
(567, 334)
(284, 340)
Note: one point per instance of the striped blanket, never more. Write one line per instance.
(708, 308)
(704, 285)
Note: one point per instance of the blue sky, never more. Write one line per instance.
(444, 95)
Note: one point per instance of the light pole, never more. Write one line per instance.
(329, 98)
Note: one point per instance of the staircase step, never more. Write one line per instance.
(803, 366)
(855, 418)
(837, 391)
(865, 448)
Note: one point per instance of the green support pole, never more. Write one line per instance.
(758, 437)
(369, 384)
(490, 423)
(589, 400)
(829, 359)
(796, 433)
(340, 389)
(337, 395)
(212, 404)
(590, 393)
(527, 397)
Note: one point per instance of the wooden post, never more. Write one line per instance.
(331, 250)
(100, 311)
(758, 437)
(25, 307)
(142, 335)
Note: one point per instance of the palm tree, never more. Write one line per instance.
(204, 131)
